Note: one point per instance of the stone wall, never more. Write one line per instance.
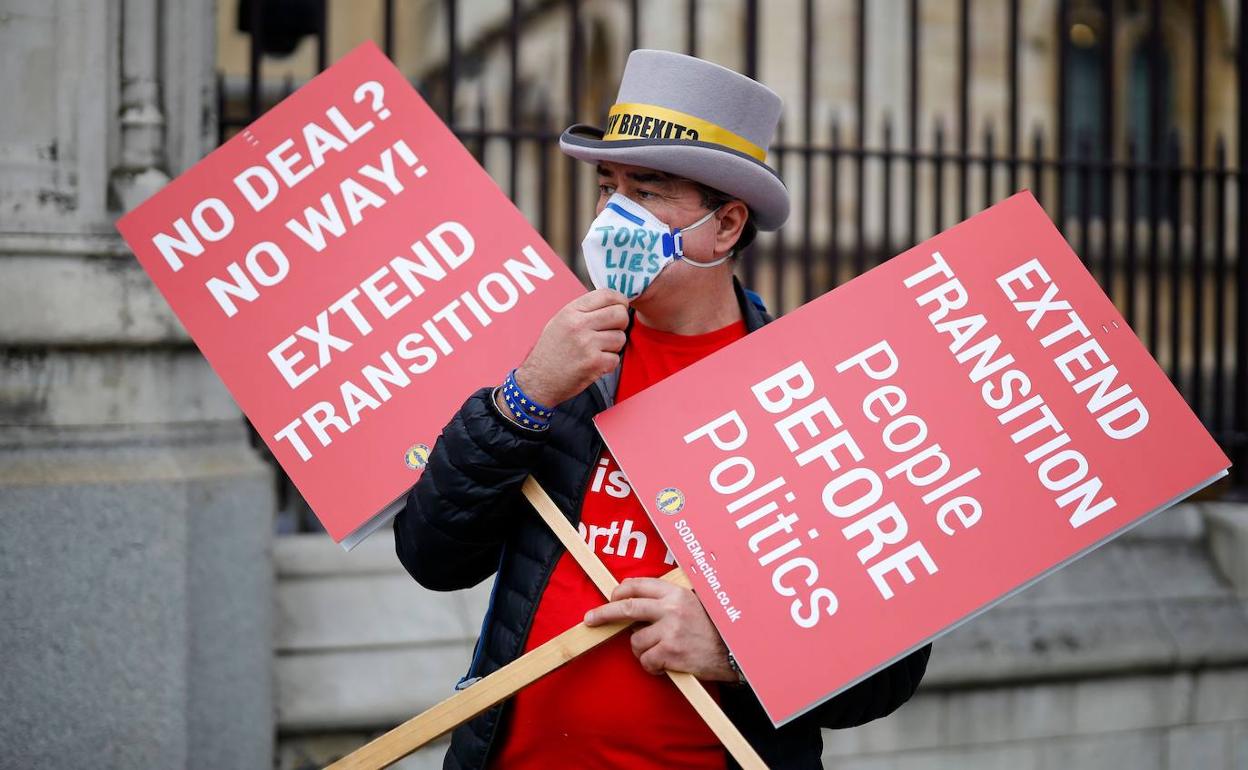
(135, 567)
(1134, 657)
(1192, 720)
(361, 647)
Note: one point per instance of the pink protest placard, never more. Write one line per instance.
(851, 481)
(352, 274)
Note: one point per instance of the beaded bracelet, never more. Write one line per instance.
(524, 410)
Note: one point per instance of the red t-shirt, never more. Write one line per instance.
(602, 709)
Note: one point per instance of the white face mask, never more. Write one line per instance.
(627, 246)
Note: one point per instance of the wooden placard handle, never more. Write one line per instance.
(401, 741)
(392, 746)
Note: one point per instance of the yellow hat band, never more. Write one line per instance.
(650, 121)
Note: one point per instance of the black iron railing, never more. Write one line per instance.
(1154, 208)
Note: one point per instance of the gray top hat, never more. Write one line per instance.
(694, 119)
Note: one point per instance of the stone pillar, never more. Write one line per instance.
(135, 518)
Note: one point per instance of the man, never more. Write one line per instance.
(682, 187)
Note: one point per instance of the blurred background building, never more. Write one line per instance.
(168, 600)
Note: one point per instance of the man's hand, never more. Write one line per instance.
(578, 345)
(677, 634)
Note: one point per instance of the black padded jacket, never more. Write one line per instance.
(465, 520)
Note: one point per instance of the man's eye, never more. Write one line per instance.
(645, 194)
(605, 189)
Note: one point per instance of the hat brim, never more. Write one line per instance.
(722, 168)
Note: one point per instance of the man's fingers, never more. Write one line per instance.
(600, 298)
(654, 660)
(630, 610)
(645, 638)
(647, 588)
(607, 317)
(612, 340)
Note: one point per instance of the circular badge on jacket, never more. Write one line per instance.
(670, 500)
(416, 456)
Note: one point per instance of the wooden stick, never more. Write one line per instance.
(392, 746)
(395, 744)
(688, 684)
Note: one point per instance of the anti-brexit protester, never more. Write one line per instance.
(683, 187)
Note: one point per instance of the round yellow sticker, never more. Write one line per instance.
(416, 456)
(670, 500)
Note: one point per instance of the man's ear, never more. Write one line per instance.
(732, 218)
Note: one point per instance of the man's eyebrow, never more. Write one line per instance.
(650, 177)
(603, 171)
